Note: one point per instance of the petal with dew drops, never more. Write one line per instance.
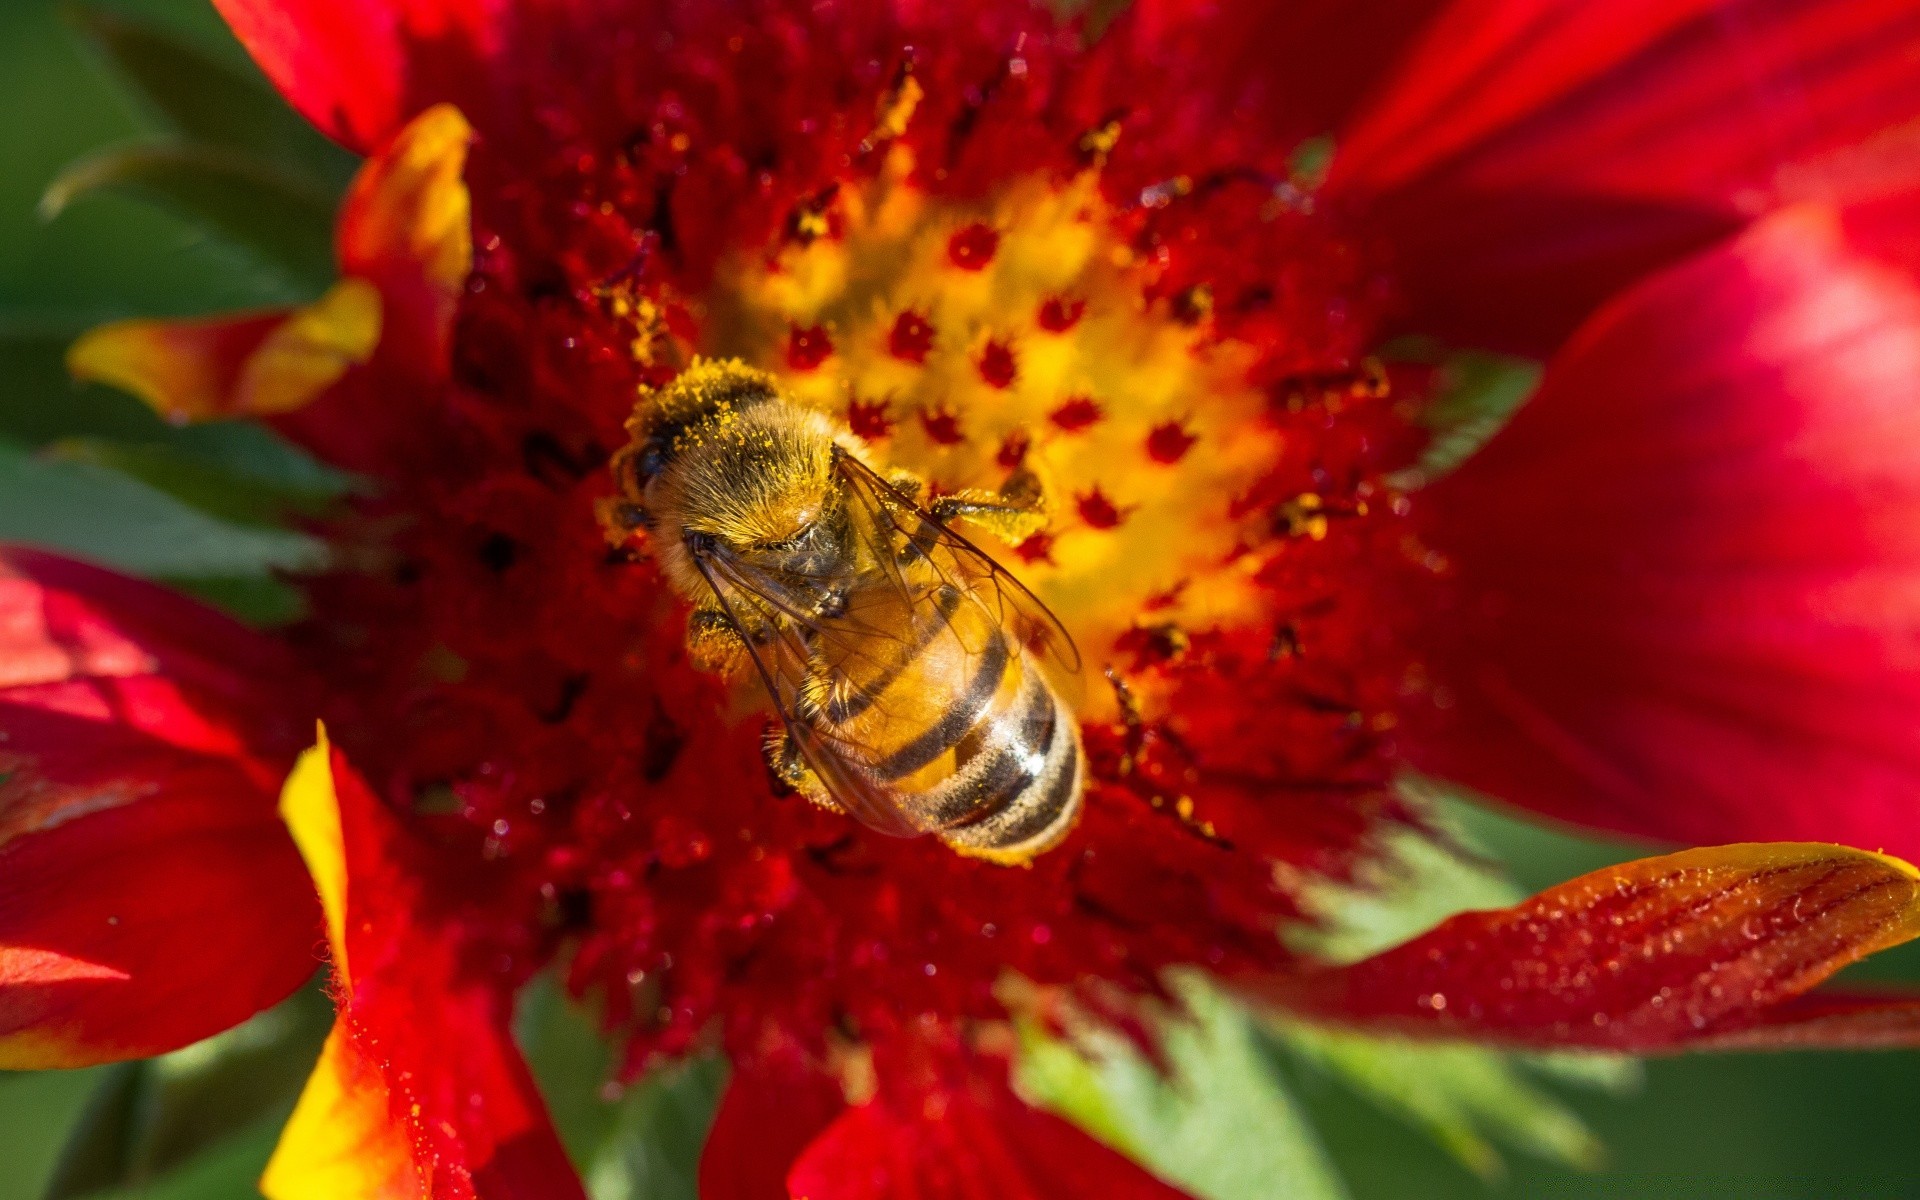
(420, 1091)
(258, 364)
(1693, 948)
(1689, 568)
(964, 1146)
(1534, 156)
(359, 68)
(148, 897)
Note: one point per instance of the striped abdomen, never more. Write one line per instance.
(956, 721)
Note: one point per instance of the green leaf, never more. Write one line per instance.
(37, 1108)
(653, 1150)
(97, 513)
(256, 599)
(284, 220)
(39, 401)
(1221, 1125)
(638, 1143)
(1467, 1098)
(1415, 879)
(214, 489)
(149, 1119)
(1475, 396)
(201, 99)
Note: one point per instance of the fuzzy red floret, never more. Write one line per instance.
(524, 696)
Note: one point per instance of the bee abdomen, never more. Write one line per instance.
(1021, 794)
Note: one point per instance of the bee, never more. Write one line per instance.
(904, 664)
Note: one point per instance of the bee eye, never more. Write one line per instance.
(651, 460)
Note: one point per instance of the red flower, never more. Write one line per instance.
(1676, 598)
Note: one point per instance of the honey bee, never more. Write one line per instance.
(904, 664)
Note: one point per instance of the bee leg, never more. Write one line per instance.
(713, 644)
(792, 769)
(1013, 514)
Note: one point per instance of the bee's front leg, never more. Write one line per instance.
(713, 643)
(1013, 514)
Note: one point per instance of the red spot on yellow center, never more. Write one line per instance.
(1098, 511)
(1169, 443)
(1076, 414)
(869, 419)
(972, 248)
(1036, 549)
(1013, 449)
(942, 426)
(910, 338)
(1058, 314)
(808, 348)
(997, 365)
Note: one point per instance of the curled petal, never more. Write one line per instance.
(148, 897)
(1690, 565)
(1533, 156)
(964, 1146)
(259, 364)
(406, 225)
(1694, 948)
(420, 1091)
(359, 68)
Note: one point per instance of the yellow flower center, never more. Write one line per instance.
(963, 340)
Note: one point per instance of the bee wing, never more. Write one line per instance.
(915, 537)
(781, 658)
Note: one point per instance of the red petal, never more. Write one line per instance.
(149, 896)
(1692, 562)
(1832, 1020)
(769, 1114)
(421, 1091)
(359, 68)
(1294, 69)
(1649, 955)
(964, 1146)
(1535, 155)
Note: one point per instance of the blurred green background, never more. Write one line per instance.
(1813, 1126)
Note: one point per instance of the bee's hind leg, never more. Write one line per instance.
(791, 768)
(713, 644)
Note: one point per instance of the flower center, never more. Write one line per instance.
(966, 340)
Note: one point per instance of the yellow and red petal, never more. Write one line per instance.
(1704, 621)
(420, 1091)
(1532, 158)
(359, 69)
(406, 226)
(1714, 946)
(148, 896)
(964, 1146)
(253, 364)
